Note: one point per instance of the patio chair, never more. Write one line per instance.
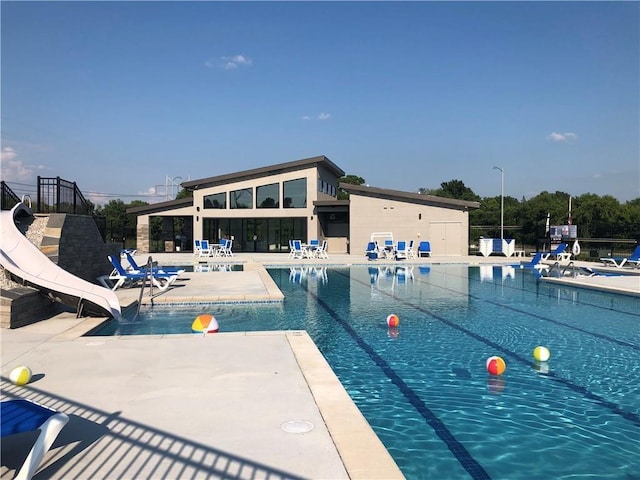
(205, 249)
(372, 252)
(321, 251)
(401, 250)
(224, 250)
(424, 249)
(196, 247)
(20, 416)
(298, 251)
(136, 268)
(618, 262)
(120, 277)
(411, 253)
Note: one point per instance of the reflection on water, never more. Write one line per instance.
(297, 274)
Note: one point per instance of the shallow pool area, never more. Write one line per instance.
(424, 387)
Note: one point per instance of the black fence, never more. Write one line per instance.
(8, 199)
(56, 195)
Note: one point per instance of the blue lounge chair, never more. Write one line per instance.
(136, 268)
(424, 249)
(120, 277)
(535, 262)
(20, 416)
(618, 262)
(557, 254)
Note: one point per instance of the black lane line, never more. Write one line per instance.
(622, 343)
(632, 417)
(476, 470)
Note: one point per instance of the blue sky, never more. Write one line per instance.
(121, 96)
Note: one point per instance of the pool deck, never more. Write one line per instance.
(231, 405)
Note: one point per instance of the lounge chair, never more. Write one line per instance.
(535, 262)
(120, 277)
(136, 268)
(20, 416)
(618, 262)
(558, 253)
(196, 247)
(424, 249)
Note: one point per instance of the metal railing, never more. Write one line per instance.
(8, 198)
(56, 195)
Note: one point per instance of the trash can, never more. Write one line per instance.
(168, 246)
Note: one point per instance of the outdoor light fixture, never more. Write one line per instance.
(501, 201)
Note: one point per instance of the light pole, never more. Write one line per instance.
(501, 201)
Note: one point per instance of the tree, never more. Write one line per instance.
(452, 189)
(350, 179)
(184, 193)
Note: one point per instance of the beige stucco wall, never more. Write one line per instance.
(446, 228)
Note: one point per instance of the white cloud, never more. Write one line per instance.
(562, 137)
(229, 63)
(321, 116)
(14, 170)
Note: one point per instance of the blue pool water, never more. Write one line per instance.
(424, 387)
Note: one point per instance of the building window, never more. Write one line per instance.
(295, 193)
(241, 198)
(268, 196)
(217, 200)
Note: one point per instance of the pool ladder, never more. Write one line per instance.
(148, 273)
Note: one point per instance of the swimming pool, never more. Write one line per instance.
(424, 388)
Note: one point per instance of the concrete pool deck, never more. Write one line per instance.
(231, 405)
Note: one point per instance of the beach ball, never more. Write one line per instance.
(20, 375)
(393, 321)
(541, 354)
(496, 365)
(205, 324)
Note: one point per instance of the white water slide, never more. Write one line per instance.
(23, 259)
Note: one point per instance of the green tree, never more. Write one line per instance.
(452, 189)
(184, 193)
(352, 180)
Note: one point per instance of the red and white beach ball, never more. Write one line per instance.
(393, 320)
(496, 365)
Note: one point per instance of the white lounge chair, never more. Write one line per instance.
(19, 416)
(618, 262)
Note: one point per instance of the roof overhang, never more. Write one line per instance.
(161, 206)
(408, 197)
(265, 172)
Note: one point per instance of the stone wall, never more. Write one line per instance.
(74, 243)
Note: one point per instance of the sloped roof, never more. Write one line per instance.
(162, 206)
(401, 196)
(265, 172)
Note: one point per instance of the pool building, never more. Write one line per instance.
(263, 208)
